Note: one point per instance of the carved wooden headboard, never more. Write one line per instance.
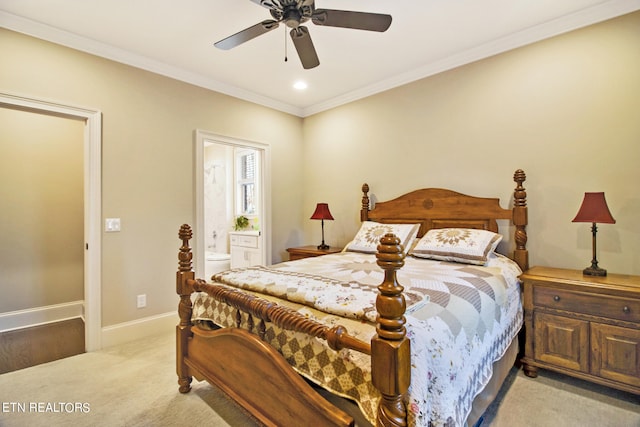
(440, 208)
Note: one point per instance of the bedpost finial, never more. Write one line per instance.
(185, 232)
(390, 303)
(519, 194)
(185, 256)
(390, 252)
(364, 208)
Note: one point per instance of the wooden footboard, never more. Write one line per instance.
(256, 376)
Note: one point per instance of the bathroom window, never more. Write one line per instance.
(247, 173)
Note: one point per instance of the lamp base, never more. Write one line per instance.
(323, 247)
(594, 271)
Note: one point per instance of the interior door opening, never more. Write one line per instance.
(91, 136)
(232, 194)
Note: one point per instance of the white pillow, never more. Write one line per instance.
(465, 245)
(370, 233)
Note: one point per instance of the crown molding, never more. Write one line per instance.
(103, 50)
(598, 13)
(593, 15)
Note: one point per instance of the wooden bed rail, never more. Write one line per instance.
(267, 311)
(283, 317)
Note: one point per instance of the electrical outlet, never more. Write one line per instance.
(142, 301)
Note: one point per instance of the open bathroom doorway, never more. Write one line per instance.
(232, 178)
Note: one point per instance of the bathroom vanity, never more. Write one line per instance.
(246, 248)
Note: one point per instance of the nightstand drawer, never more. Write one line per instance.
(310, 251)
(587, 303)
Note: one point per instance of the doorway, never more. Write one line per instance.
(90, 213)
(232, 178)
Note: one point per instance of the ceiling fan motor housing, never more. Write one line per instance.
(293, 14)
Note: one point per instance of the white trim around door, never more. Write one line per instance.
(92, 202)
(200, 138)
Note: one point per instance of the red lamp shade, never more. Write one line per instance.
(322, 212)
(594, 209)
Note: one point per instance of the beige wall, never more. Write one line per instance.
(147, 157)
(41, 222)
(566, 110)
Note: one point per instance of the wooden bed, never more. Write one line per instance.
(256, 376)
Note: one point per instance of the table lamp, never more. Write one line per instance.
(594, 209)
(322, 212)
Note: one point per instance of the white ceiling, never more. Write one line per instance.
(175, 38)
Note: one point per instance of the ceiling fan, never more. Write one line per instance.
(296, 12)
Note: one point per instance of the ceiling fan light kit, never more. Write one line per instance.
(296, 12)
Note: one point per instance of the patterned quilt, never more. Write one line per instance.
(460, 319)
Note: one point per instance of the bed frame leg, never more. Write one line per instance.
(183, 330)
(184, 380)
(390, 348)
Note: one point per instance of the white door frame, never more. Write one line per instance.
(92, 202)
(200, 138)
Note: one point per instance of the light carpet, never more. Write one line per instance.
(135, 385)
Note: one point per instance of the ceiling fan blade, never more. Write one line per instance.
(304, 45)
(348, 19)
(269, 4)
(247, 34)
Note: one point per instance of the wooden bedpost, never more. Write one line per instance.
(364, 211)
(520, 220)
(390, 348)
(183, 330)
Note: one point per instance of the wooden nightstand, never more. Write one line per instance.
(584, 326)
(310, 251)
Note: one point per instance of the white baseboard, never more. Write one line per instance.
(40, 315)
(110, 335)
(140, 328)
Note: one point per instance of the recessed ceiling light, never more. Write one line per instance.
(300, 85)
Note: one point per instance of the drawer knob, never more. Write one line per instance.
(626, 309)
(556, 298)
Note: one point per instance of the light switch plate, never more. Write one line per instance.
(141, 301)
(111, 224)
